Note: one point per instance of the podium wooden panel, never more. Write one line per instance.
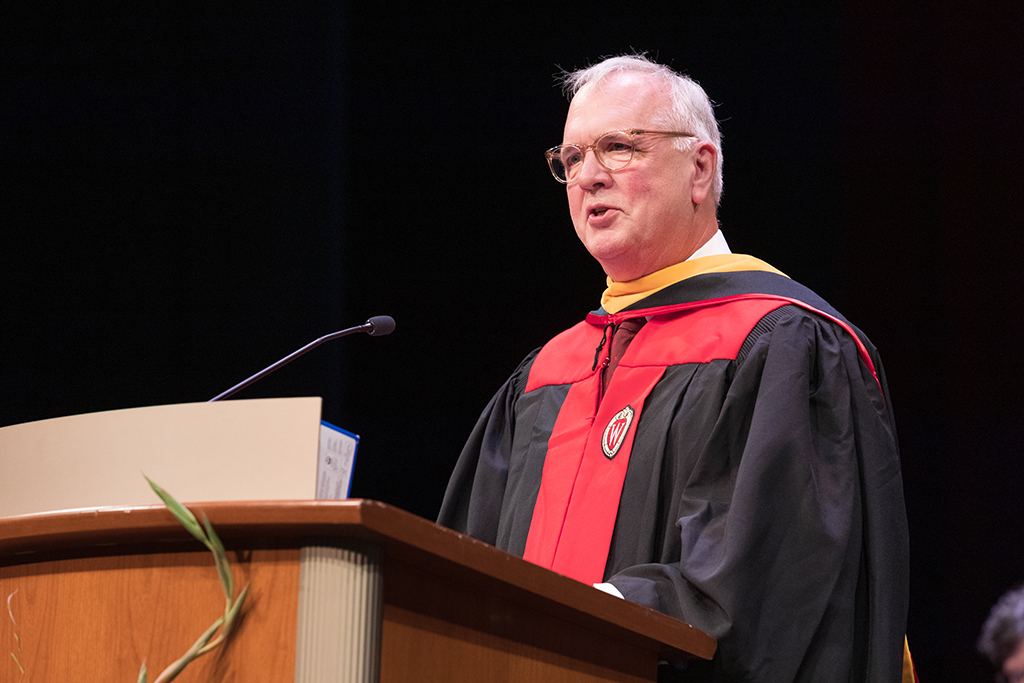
(93, 593)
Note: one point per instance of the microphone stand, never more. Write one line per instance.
(376, 326)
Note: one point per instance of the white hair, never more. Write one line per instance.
(691, 109)
(1003, 631)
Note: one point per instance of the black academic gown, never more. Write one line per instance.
(763, 500)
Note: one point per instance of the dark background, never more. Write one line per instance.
(190, 193)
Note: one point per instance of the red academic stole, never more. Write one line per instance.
(590, 444)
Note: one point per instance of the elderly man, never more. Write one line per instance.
(715, 441)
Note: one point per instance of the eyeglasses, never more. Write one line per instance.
(612, 150)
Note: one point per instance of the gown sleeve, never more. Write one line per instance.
(472, 501)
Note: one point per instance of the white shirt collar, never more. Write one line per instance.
(713, 247)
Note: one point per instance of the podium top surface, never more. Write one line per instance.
(26, 539)
(233, 450)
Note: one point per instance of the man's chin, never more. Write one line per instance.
(615, 262)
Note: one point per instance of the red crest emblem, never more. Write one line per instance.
(615, 433)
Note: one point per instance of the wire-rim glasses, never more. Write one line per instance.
(613, 150)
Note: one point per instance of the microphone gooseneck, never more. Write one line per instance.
(377, 326)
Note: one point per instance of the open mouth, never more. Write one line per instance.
(599, 211)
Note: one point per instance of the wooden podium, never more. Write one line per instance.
(89, 594)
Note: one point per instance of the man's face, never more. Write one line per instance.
(638, 219)
(1013, 666)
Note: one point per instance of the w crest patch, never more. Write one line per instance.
(615, 433)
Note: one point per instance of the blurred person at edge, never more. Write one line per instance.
(1002, 636)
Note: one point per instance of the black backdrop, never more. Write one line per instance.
(189, 194)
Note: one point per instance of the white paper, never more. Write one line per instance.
(334, 466)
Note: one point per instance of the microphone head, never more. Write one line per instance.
(381, 325)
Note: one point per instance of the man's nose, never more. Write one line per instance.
(592, 174)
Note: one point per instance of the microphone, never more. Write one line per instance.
(377, 326)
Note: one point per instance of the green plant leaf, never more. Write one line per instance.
(187, 519)
(220, 559)
(232, 607)
(230, 619)
(198, 648)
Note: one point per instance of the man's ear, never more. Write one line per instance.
(705, 165)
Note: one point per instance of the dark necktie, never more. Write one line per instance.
(622, 335)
